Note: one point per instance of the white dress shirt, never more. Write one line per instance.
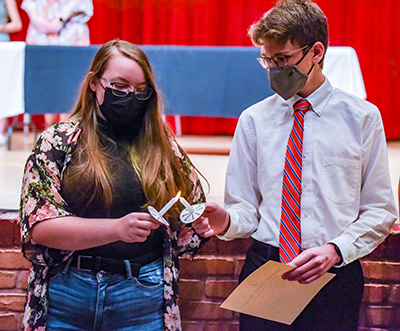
(347, 197)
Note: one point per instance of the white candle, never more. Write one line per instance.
(169, 204)
(186, 204)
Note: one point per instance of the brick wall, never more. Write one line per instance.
(13, 274)
(209, 279)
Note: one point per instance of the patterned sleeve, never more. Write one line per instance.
(40, 196)
(188, 241)
(85, 7)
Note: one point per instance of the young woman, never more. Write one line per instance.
(58, 22)
(99, 260)
(10, 22)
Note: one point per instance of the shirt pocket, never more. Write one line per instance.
(341, 179)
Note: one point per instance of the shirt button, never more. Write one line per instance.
(304, 155)
(305, 215)
(305, 185)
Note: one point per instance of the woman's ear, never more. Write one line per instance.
(92, 83)
(319, 50)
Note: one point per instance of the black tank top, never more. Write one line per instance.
(128, 196)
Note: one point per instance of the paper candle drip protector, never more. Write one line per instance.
(158, 215)
(188, 215)
(191, 213)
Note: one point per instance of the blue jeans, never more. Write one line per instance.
(84, 300)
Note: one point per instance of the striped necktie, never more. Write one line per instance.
(289, 235)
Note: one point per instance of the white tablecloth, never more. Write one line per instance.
(342, 68)
(12, 66)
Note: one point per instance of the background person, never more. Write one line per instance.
(58, 22)
(10, 22)
(322, 198)
(99, 260)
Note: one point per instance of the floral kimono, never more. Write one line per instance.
(41, 199)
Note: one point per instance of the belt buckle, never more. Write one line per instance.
(78, 262)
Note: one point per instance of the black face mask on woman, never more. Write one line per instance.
(124, 115)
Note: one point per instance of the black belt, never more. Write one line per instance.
(116, 266)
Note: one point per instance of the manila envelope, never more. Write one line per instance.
(265, 294)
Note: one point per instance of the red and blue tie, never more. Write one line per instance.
(289, 235)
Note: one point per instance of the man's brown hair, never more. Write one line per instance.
(300, 21)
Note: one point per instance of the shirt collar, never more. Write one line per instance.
(318, 99)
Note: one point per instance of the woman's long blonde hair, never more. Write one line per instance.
(152, 156)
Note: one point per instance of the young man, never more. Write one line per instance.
(311, 186)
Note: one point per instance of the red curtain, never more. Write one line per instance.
(371, 27)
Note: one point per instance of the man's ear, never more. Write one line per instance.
(318, 51)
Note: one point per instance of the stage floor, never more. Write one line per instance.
(208, 153)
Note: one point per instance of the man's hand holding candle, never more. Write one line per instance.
(214, 221)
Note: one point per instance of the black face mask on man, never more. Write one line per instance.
(289, 80)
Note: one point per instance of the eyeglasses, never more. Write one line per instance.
(280, 60)
(122, 90)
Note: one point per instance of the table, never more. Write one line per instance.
(343, 70)
(196, 81)
(12, 65)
